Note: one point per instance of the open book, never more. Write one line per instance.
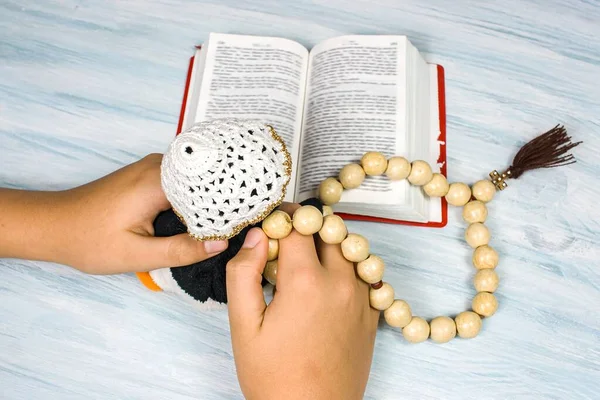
(346, 96)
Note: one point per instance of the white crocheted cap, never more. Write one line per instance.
(223, 175)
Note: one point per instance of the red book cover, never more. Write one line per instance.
(441, 159)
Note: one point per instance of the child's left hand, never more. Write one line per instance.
(103, 227)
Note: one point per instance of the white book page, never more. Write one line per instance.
(426, 146)
(259, 78)
(434, 203)
(195, 85)
(356, 101)
(431, 208)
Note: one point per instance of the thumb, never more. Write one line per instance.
(173, 251)
(245, 298)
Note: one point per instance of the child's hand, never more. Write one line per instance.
(103, 227)
(315, 340)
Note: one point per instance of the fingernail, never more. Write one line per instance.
(252, 238)
(215, 247)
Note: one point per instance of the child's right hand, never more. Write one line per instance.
(315, 339)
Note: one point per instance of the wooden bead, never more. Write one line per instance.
(485, 257)
(398, 168)
(330, 191)
(468, 324)
(334, 230)
(380, 299)
(371, 269)
(355, 247)
(273, 249)
(398, 314)
(437, 187)
(484, 190)
(484, 304)
(327, 210)
(458, 194)
(475, 211)
(307, 220)
(477, 234)
(486, 280)
(443, 329)
(373, 163)
(270, 272)
(352, 176)
(277, 225)
(416, 331)
(420, 173)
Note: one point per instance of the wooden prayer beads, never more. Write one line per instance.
(443, 329)
(333, 230)
(307, 220)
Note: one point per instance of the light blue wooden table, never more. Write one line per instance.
(89, 86)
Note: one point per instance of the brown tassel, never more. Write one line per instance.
(548, 150)
(545, 151)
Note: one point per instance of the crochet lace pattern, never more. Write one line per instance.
(223, 175)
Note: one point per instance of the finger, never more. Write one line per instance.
(289, 208)
(296, 252)
(372, 314)
(172, 251)
(294, 240)
(245, 298)
(332, 258)
(297, 255)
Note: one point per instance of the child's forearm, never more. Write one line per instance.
(32, 224)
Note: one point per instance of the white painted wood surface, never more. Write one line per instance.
(89, 86)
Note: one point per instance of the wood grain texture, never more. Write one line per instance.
(89, 86)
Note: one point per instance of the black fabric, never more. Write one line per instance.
(206, 279)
